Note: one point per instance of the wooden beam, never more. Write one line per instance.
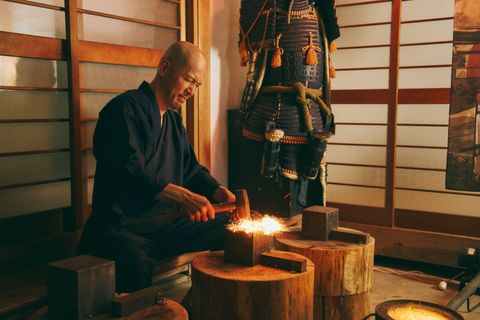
(72, 219)
(438, 222)
(89, 51)
(414, 245)
(392, 110)
(198, 108)
(427, 96)
(23, 45)
(361, 214)
(375, 96)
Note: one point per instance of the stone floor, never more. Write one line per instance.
(391, 286)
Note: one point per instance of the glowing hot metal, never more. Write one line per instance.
(246, 240)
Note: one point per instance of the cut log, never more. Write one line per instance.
(343, 274)
(230, 291)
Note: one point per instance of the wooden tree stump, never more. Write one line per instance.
(343, 274)
(230, 291)
(170, 311)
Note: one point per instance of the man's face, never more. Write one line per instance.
(182, 83)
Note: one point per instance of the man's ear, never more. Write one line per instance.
(163, 67)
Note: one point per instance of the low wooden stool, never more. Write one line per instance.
(343, 273)
(231, 291)
(171, 310)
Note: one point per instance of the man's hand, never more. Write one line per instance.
(195, 206)
(222, 194)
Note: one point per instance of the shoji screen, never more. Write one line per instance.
(391, 101)
(34, 116)
(60, 62)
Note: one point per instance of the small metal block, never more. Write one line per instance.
(245, 249)
(284, 260)
(126, 305)
(80, 287)
(318, 222)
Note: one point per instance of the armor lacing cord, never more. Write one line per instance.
(242, 48)
(304, 95)
(290, 10)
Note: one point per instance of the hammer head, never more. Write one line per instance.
(243, 205)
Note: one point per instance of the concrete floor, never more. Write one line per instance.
(391, 286)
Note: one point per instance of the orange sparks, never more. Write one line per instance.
(267, 225)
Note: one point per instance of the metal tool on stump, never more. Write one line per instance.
(321, 223)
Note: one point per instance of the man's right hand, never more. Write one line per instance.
(195, 206)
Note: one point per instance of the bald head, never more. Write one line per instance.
(182, 54)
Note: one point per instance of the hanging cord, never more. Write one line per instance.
(416, 275)
(311, 55)
(242, 49)
(264, 34)
(277, 55)
(289, 11)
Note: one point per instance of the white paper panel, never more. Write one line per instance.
(462, 205)
(356, 154)
(420, 179)
(427, 9)
(148, 10)
(361, 79)
(362, 58)
(35, 167)
(360, 113)
(360, 134)
(423, 114)
(19, 201)
(88, 130)
(373, 197)
(88, 163)
(421, 158)
(363, 36)
(107, 76)
(25, 72)
(412, 78)
(114, 31)
(426, 55)
(33, 136)
(426, 31)
(18, 104)
(363, 14)
(37, 21)
(422, 136)
(356, 175)
(93, 102)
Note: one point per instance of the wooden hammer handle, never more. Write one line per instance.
(218, 207)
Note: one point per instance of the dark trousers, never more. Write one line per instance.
(135, 254)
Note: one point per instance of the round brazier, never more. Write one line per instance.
(414, 310)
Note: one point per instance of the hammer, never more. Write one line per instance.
(240, 209)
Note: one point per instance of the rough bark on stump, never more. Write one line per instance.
(343, 274)
(229, 291)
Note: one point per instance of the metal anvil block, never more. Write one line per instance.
(245, 249)
(318, 222)
(80, 287)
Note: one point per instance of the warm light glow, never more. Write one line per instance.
(267, 225)
(414, 312)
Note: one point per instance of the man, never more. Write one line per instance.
(146, 167)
